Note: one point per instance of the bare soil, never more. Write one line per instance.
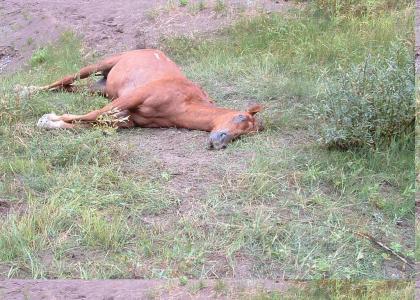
(109, 27)
(132, 289)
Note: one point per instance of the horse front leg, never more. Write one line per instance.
(114, 118)
(115, 113)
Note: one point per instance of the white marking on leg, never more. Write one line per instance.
(157, 56)
(50, 121)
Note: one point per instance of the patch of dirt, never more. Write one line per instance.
(418, 284)
(181, 156)
(4, 206)
(9, 207)
(7, 53)
(134, 289)
(183, 159)
(109, 27)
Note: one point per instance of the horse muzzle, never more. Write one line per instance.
(218, 140)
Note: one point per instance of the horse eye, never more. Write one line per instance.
(239, 118)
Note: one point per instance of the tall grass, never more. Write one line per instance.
(357, 8)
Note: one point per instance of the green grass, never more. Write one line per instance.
(79, 211)
(73, 192)
(417, 164)
(344, 290)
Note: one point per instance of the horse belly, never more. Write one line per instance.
(142, 121)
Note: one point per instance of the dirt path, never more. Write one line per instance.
(111, 26)
(181, 156)
(132, 289)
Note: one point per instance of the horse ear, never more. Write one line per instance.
(253, 109)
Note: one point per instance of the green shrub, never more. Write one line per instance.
(40, 56)
(369, 104)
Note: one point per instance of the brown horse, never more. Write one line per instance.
(147, 89)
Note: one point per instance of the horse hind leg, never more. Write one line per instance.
(95, 88)
(102, 67)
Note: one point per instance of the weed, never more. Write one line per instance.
(39, 57)
(220, 6)
(220, 287)
(29, 41)
(183, 2)
(183, 281)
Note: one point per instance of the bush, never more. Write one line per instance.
(370, 104)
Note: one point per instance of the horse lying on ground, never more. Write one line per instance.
(147, 89)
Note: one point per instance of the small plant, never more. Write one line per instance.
(220, 287)
(195, 288)
(183, 280)
(183, 2)
(40, 56)
(201, 6)
(152, 14)
(197, 7)
(368, 105)
(220, 6)
(29, 41)
(108, 122)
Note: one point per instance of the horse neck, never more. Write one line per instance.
(205, 117)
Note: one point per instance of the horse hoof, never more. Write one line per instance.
(24, 92)
(49, 121)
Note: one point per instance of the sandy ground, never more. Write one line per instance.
(109, 27)
(132, 289)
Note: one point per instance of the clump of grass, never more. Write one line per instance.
(51, 54)
(201, 5)
(39, 56)
(183, 2)
(417, 168)
(357, 8)
(220, 287)
(197, 7)
(345, 290)
(109, 234)
(220, 6)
